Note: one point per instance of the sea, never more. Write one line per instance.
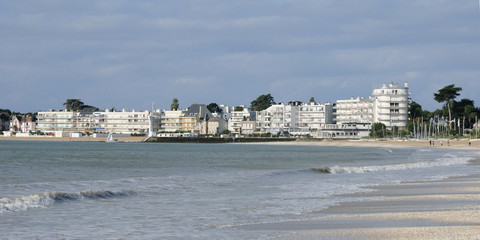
(97, 190)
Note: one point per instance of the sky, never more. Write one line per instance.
(130, 54)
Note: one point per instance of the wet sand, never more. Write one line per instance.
(445, 209)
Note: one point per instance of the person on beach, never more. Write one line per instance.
(430, 142)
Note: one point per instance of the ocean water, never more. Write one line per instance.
(63, 190)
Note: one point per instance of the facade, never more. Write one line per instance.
(53, 121)
(391, 105)
(344, 131)
(387, 105)
(354, 110)
(237, 117)
(21, 124)
(295, 118)
(313, 116)
(195, 119)
(124, 122)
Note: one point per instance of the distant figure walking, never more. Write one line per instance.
(448, 143)
(469, 143)
(430, 142)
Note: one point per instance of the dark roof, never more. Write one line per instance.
(200, 111)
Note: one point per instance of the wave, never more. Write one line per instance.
(396, 167)
(42, 200)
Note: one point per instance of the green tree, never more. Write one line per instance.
(312, 100)
(379, 130)
(414, 110)
(214, 108)
(73, 104)
(262, 102)
(238, 108)
(447, 95)
(175, 105)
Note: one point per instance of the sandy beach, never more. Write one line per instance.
(445, 209)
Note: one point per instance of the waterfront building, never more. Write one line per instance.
(295, 118)
(21, 124)
(354, 110)
(391, 105)
(387, 105)
(124, 122)
(313, 116)
(236, 117)
(54, 121)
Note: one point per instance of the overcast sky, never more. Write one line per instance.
(128, 54)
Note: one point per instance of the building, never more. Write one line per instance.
(195, 119)
(236, 117)
(387, 105)
(354, 110)
(121, 122)
(21, 124)
(54, 121)
(391, 105)
(295, 118)
(313, 116)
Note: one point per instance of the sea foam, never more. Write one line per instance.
(42, 200)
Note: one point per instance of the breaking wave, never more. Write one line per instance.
(42, 200)
(404, 166)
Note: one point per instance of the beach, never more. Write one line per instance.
(443, 209)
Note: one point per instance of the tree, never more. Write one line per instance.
(73, 104)
(378, 130)
(312, 100)
(175, 105)
(262, 102)
(447, 94)
(238, 108)
(214, 108)
(414, 110)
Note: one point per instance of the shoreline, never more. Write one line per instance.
(452, 144)
(448, 208)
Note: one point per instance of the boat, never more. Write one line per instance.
(110, 138)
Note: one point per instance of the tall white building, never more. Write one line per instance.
(387, 105)
(391, 105)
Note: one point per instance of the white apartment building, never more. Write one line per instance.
(53, 121)
(236, 117)
(391, 105)
(387, 105)
(124, 122)
(354, 110)
(295, 118)
(170, 121)
(313, 116)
